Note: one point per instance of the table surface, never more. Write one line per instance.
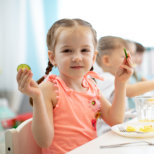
(93, 147)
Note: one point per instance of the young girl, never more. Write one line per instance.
(66, 107)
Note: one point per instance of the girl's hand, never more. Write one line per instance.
(26, 84)
(125, 70)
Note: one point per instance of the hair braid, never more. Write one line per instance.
(92, 68)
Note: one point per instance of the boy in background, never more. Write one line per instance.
(110, 56)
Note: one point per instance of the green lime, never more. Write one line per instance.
(23, 66)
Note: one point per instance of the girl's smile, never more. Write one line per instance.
(76, 67)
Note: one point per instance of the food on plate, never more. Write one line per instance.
(130, 129)
(145, 128)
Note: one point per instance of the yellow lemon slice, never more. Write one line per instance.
(130, 129)
(147, 128)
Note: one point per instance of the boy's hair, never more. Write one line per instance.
(106, 45)
(53, 34)
(139, 47)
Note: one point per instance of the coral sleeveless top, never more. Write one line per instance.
(75, 115)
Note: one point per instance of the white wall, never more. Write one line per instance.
(11, 45)
(131, 19)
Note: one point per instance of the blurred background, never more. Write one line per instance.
(24, 25)
(23, 28)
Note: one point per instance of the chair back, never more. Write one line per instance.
(20, 140)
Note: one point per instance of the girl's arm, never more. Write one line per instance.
(42, 95)
(139, 88)
(42, 124)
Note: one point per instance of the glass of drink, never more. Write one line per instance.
(145, 108)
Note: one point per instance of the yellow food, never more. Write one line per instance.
(146, 120)
(130, 129)
(150, 99)
(147, 128)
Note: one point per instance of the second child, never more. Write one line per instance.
(109, 58)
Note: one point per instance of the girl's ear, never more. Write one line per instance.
(51, 57)
(105, 59)
(94, 56)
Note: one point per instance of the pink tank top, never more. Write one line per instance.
(74, 116)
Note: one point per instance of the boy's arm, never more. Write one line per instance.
(139, 88)
(114, 114)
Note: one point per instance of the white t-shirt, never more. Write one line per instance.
(107, 86)
(107, 89)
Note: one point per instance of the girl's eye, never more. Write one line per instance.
(84, 50)
(67, 50)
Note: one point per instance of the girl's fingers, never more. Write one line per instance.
(25, 71)
(19, 75)
(25, 80)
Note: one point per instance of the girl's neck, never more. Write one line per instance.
(75, 84)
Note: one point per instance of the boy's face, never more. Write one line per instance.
(115, 59)
(138, 58)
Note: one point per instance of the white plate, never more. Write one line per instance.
(137, 125)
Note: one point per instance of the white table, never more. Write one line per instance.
(93, 147)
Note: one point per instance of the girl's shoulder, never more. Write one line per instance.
(49, 91)
(45, 86)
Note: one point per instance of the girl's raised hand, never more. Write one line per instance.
(125, 70)
(26, 84)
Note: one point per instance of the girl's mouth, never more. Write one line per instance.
(76, 67)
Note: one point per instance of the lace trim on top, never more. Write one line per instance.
(55, 79)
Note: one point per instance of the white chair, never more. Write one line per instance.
(20, 140)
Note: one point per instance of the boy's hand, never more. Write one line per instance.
(26, 84)
(125, 70)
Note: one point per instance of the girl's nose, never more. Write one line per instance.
(77, 57)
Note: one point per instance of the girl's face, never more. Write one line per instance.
(74, 52)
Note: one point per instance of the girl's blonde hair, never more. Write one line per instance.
(52, 36)
(107, 44)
